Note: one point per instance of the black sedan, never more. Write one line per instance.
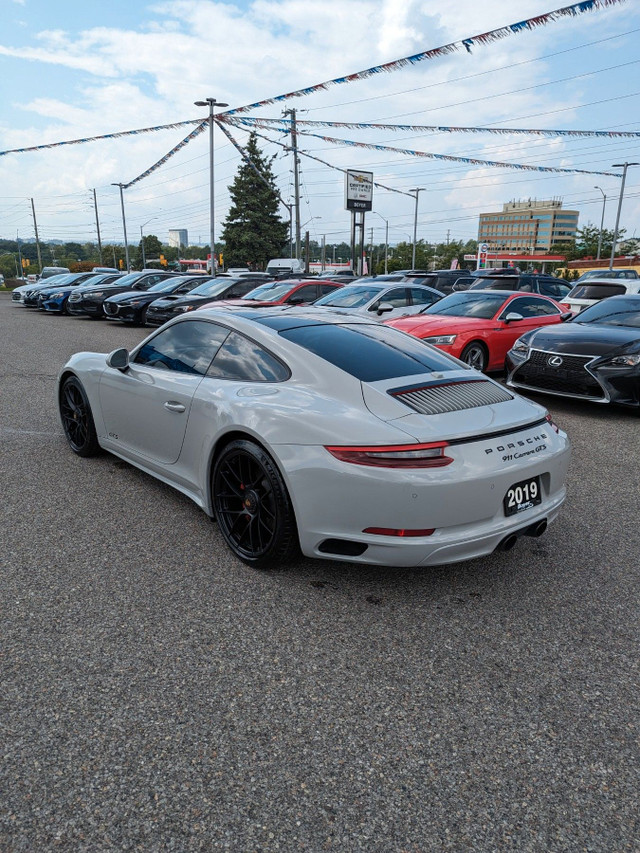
(167, 307)
(131, 306)
(88, 301)
(595, 356)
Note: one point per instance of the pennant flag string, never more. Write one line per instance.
(329, 165)
(468, 43)
(169, 154)
(470, 160)
(285, 126)
(117, 135)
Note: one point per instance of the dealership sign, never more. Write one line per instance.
(358, 190)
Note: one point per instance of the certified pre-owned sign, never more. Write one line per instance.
(358, 190)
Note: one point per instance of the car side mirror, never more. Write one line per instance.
(384, 308)
(118, 359)
(513, 317)
(566, 315)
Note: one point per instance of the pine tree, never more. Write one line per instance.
(253, 231)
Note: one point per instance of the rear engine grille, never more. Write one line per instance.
(452, 396)
(570, 377)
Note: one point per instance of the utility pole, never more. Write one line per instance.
(296, 175)
(417, 191)
(124, 227)
(624, 167)
(35, 228)
(306, 253)
(95, 204)
(324, 250)
(371, 270)
(19, 253)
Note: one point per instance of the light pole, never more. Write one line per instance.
(417, 191)
(144, 259)
(386, 240)
(124, 226)
(211, 102)
(604, 203)
(624, 166)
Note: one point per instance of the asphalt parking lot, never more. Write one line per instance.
(156, 694)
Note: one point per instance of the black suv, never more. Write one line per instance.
(547, 285)
(88, 301)
(442, 280)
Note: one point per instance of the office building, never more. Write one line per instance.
(178, 237)
(528, 227)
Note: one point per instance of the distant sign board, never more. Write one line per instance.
(358, 190)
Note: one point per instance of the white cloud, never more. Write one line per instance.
(190, 49)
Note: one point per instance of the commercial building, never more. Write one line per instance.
(178, 237)
(528, 227)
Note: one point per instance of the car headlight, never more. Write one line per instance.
(182, 308)
(440, 340)
(631, 360)
(521, 347)
(97, 294)
(54, 295)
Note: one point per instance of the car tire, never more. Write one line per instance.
(475, 355)
(77, 419)
(252, 506)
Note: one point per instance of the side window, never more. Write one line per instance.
(526, 284)
(242, 359)
(420, 296)
(327, 288)
(245, 286)
(396, 297)
(308, 293)
(186, 347)
(530, 307)
(555, 289)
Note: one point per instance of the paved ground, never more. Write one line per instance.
(158, 695)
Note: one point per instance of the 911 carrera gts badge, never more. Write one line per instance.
(554, 361)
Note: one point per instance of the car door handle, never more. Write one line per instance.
(174, 407)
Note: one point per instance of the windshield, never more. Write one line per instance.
(270, 292)
(350, 297)
(163, 286)
(596, 291)
(214, 287)
(617, 311)
(468, 304)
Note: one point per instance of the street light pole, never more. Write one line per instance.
(211, 102)
(624, 166)
(417, 191)
(144, 257)
(386, 240)
(604, 202)
(124, 226)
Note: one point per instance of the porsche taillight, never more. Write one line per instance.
(430, 455)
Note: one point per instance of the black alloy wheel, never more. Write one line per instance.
(76, 417)
(475, 355)
(252, 506)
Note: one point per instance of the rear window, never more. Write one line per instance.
(596, 291)
(370, 353)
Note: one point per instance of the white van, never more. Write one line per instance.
(282, 266)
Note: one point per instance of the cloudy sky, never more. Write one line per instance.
(78, 68)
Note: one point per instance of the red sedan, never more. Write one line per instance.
(288, 292)
(480, 326)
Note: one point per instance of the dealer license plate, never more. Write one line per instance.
(522, 496)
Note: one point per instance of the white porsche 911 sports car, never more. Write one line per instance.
(346, 439)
